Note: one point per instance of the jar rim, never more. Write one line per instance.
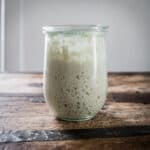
(61, 28)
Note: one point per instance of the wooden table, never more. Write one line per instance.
(123, 123)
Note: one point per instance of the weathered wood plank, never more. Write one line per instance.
(129, 87)
(20, 83)
(23, 109)
(130, 143)
(122, 87)
(74, 134)
(22, 93)
(23, 114)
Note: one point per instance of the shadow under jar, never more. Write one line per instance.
(75, 76)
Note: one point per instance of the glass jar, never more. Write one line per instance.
(75, 76)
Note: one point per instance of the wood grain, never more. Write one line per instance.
(74, 134)
(130, 143)
(24, 114)
(126, 113)
(122, 87)
(29, 112)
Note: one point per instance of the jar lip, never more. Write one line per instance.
(61, 28)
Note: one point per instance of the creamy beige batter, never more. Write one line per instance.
(75, 78)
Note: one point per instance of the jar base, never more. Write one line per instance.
(75, 119)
